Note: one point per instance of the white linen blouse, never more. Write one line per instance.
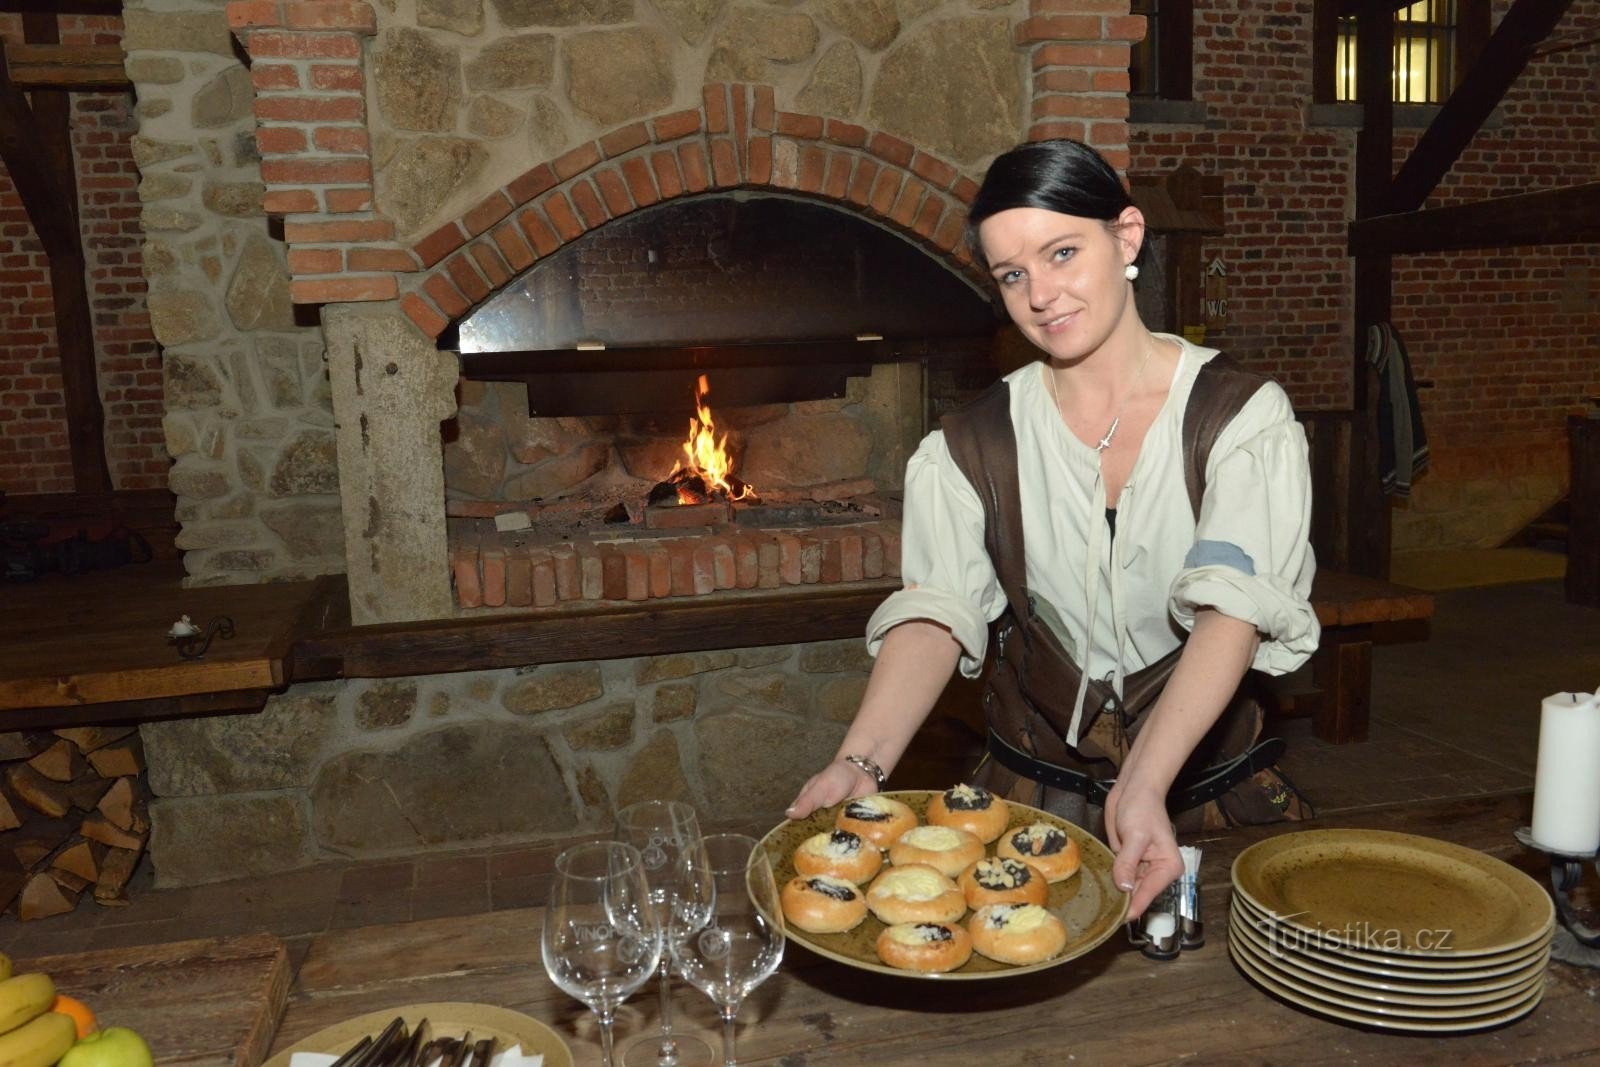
(1136, 593)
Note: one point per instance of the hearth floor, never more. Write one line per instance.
(1456, 715)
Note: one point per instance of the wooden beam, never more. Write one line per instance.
(63, 7)
(1549, 217)
(51, 121)
(49, 207)
(56, 66)
(607, 632)
(1501, 61)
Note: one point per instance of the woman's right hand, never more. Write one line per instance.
(837, 781)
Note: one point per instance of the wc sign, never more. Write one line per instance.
(1215, 301)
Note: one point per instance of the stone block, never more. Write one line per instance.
(674, 701)
(614, 75)
(838, 699)
(834, 657)
(520, 13)
(754, 763)
(771, 690)
(308, 463)
(953, 87)
(805, 452)
(553, 687)
(683, 665)
(275, 748)
(690, 18)
(518, 62)
(603, 730)
(176, 31)
(656, 773)
(750, 38)
(491, 118)
(423, 174)
(190, 382)
(225, 99)
(258, 293)
(834, 87)
(449, 785)
(417, 81)
(385, 705)
(870, 23)
(181, 316)
(196, 840)
(458, 16)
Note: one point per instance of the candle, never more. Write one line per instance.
(1566, 788)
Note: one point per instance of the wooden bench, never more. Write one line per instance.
(1351, 610)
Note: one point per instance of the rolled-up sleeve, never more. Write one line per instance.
(1252, 557)
(947, 574)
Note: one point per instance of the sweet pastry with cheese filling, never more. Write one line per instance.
(970, 808)
(879, 819)
(931, 948)
(840, 853)
(1047, 847)
(822, 904)
(915, 894)
(1003, 880)
(946, 849)
(1016, 933)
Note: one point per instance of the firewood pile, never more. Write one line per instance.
(73, 817)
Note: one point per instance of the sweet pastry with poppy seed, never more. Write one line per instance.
(931, 948)
(1016, 933)
(822, 904)
(970, 808)
(1046, 847)
(840, 853)
(1003, 880)
(879, 819)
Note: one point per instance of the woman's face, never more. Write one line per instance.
(1061, 276)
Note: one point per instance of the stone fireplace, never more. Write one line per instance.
(425, 168)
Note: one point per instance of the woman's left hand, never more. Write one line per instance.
(1140, 832)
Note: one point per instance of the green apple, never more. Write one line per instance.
(115, 1046)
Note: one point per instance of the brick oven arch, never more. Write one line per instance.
(736, 139)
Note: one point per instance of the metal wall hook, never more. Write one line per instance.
(194, 645)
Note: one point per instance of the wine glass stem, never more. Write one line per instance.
(669, 1048)
(605, 1018)
(729, 1037)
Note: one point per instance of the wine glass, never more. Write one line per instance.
(743, 943)
(600, 940)
(667, 835)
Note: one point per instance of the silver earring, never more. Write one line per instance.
(1130, 272)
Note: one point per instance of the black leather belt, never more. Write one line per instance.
(1191, 792)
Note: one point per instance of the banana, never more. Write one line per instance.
(5, 966)
(24, 997)
(39, 1043)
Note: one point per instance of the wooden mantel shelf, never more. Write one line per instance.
(93, 647)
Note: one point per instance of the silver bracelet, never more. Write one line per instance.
(870, 769)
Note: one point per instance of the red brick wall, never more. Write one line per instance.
(1511, 337)
(33, 442)
(1487, 328)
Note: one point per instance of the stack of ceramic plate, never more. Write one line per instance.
(1390, 930)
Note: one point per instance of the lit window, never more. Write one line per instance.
(1424, 46)
(1160, 65)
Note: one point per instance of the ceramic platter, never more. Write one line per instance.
(1089, 903)
(446, 1020)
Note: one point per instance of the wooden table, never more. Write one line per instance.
(213, 1002)
(1110, 1007)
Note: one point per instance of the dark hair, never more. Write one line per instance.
(1057, 175)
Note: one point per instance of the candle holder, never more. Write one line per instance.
(1566, 871)
(192, 642)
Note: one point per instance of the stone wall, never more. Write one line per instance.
(249, 419)
(367, 769)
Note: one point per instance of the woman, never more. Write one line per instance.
(1113, 546)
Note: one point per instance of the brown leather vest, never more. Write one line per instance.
(1031, 685)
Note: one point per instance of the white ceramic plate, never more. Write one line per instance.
(447, 1019)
